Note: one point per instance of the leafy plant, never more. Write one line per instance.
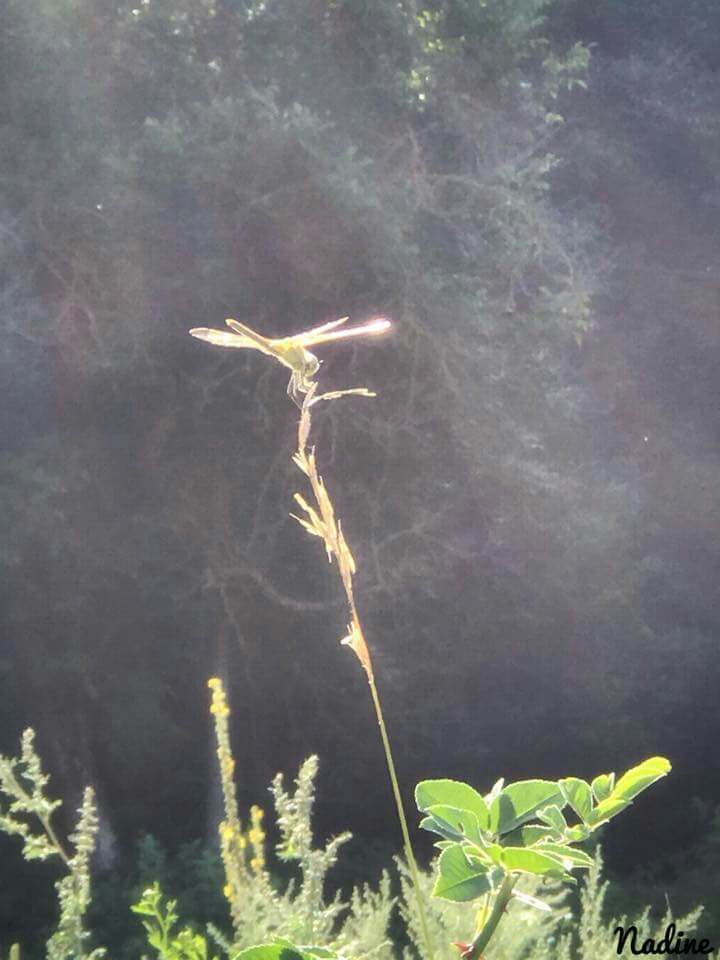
(160, 920)
(28, 815)
(299, 913)
(489, 841)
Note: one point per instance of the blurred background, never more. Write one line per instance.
(530, 190)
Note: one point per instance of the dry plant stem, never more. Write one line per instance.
(320, 521)
(412, 863)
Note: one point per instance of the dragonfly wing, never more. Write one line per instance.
(364, 330)
(259, 342)
(222, 339)
(309, 335)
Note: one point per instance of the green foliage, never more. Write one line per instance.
(69, 939)
(554, 933)
(193, 872)
(28, 814)
(299, 912)
(284, 950)
(23, 784)
(160, 921)
(594, 940)
(488, 842)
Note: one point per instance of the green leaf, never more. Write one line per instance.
(606, 810)
(530, 861)
(527, 836)
(577, 834)
(628, 787)
(553, 816)
(458, 879)
(641, 777)
(568, 855)
(434, 826)
(461, 823)
(278, 950)
(602, 786)
(494, 851)
(451, 793)
(578, 794)
(519, 802)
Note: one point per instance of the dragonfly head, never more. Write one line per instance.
(312, 365)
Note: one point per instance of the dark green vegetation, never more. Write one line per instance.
(535, 491)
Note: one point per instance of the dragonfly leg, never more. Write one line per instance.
(294, 390)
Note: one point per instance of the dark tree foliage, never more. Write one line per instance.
(531, 566)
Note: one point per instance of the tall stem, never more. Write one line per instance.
(320, 520)
(412, 864)
(501, 901)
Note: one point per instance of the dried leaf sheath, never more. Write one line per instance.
(320, 521)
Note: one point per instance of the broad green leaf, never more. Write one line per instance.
(519, 802)
(462, 823)
(641, 777)
(602, 786)
(494, 851)
(568, 855)
(451, 793)
(458, 879)
(578, 794)
(433, 826)
(529, 835)
(628, 787)
(530, 861)
(553, 816)
(280, 950)
(606, 810)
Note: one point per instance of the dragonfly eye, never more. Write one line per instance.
(313, 366)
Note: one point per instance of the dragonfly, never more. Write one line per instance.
(293, 352)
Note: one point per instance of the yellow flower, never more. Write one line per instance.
(228, 891)
(214, 683)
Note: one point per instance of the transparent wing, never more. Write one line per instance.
(222, 339)
(309, 335)
(364, 330)
(261, 343)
